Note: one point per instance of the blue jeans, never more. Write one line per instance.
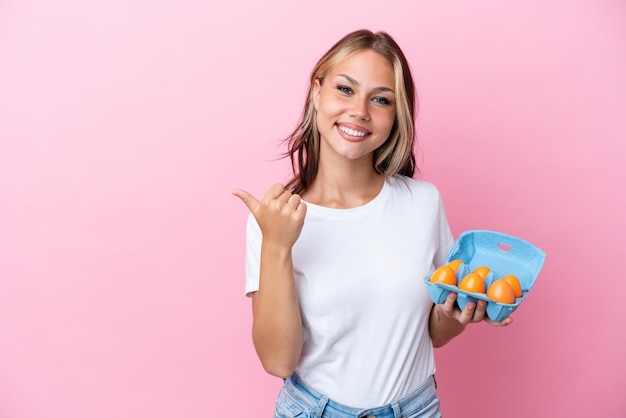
(298, 400)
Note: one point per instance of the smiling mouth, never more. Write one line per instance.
(352, 132)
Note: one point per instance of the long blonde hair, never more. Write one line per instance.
(396, 155)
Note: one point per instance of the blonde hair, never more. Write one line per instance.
(396, 155)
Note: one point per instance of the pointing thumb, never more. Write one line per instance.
(250, 201)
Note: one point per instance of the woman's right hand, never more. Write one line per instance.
(280, 214)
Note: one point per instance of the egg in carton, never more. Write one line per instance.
(503, 254)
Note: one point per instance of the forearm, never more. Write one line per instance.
(277, 324)
(443, 328)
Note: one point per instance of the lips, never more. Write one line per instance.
(352, 132)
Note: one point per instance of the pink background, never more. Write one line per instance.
(124, 126)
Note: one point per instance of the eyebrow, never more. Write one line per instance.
(353, 81)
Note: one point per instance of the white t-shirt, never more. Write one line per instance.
(360, 279)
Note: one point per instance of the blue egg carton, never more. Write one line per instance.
(503, 254)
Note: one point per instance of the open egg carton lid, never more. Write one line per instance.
(503, 254)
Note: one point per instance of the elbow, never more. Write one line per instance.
(278, 360)
(438, 340)
(439, 343)
(278, 369)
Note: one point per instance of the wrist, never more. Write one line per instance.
(276, 250)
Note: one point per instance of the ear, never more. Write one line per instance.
(317, 88)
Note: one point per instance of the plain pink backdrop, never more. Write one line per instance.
(124, 125)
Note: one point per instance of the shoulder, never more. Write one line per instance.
(408, 185)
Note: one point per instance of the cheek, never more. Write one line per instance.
(323, 121)
(329, 108)
(387, 120)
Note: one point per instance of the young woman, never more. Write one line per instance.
(336, 258)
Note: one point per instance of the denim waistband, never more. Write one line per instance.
(319, 403)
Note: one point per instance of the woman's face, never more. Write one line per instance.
(355, 106)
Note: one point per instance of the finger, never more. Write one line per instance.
(301, 209)
(284, 197)
(294, 200)
(275, 191)
(250, 201)
(448, 305)
(480, 311)
(468, 313)
(505, 322)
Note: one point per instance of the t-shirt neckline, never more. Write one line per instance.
(363, 209)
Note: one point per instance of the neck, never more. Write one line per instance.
(344, 187)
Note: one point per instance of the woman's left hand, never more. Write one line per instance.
(473, 312)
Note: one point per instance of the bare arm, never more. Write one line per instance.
(277, 324)
(447, 321)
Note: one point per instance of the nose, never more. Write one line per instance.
(360, 109)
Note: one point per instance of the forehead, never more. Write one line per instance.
(366, 67)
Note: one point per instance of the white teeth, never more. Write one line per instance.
(351, 132)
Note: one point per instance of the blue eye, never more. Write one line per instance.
(382, 100)
(344, 89)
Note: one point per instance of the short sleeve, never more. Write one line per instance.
(253, 255)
